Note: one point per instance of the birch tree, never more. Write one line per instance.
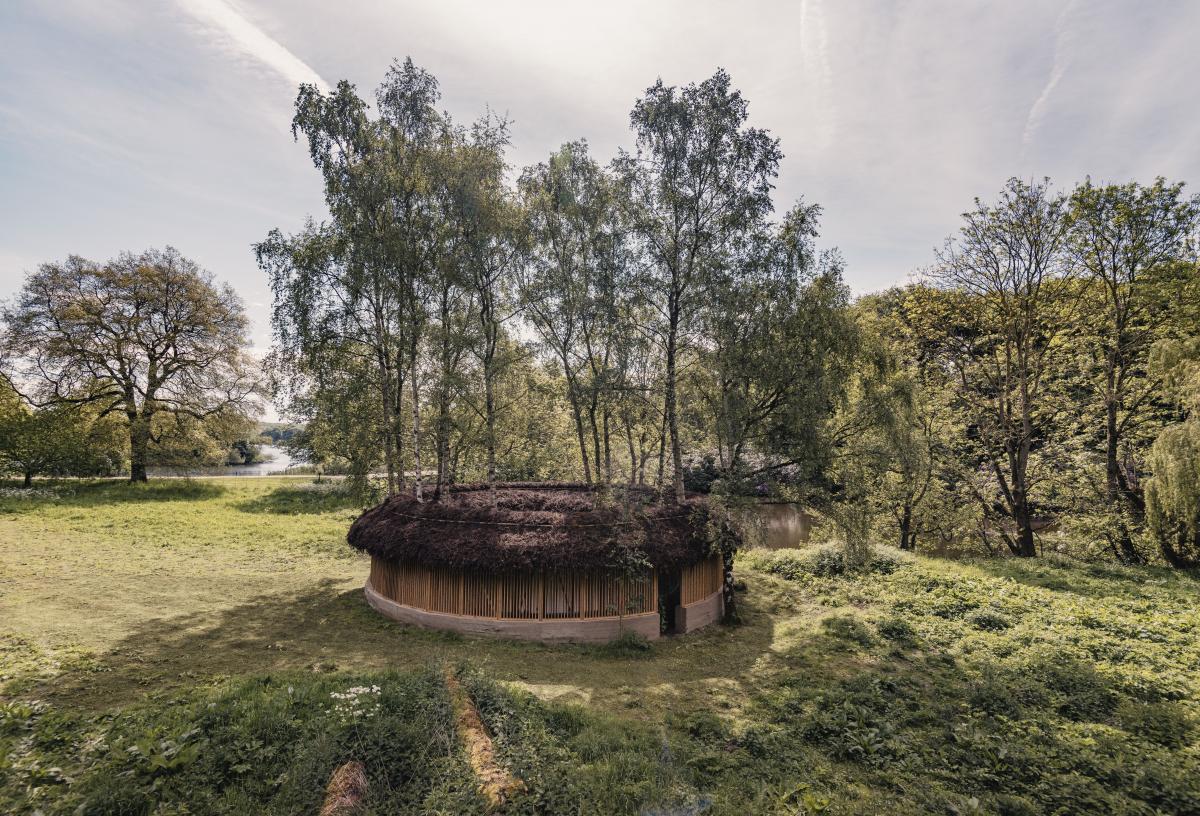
(698, 178)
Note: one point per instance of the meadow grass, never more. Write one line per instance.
(175, 647)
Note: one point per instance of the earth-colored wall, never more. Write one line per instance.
(582, 607)
(588, 630)
(691, 617)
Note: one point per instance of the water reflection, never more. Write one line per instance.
(782, 525)
(272, 459)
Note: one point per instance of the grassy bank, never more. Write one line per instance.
(177, 646)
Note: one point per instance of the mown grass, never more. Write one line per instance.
(176, 646)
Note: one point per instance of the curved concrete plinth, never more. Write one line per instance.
(568, 630)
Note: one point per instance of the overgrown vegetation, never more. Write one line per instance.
(915, 686)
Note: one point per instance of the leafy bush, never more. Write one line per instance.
(852, 722)
(1165, 723)
(700, 476)
(1173, 493)
(1083, 693)
(848, 628)
(989, 621)
(898, 631)
(627, 644)
(268, 745)
(823, 561)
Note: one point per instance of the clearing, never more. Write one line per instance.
(204, 647)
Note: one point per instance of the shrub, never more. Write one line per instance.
(824, 561)
(1006, 694)
(827, 561)
(628, 644)
(849, 628)
(852, 723)
(1084, 694)
(988, 621)
(1165, 723)
(898, 631)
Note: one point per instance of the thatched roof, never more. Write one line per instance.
(533, 526)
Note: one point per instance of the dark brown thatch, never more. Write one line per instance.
(533, 526)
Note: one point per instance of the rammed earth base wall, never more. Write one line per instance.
(587, 630)
(690, 617)
(576, 606)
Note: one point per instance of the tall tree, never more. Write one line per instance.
(143, 336)
(362, 278)
(451, 338)
(1132, 243)
(777, 342)
(336, 401)
(575, 289)
(487, 233)
(698, 180)
(996, 325)
(911, 426)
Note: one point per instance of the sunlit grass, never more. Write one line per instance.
(921, 686)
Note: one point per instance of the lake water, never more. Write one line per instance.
(272, 459)
(783, 525)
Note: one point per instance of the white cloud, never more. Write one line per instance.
(236, 33)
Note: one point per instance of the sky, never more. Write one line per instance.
(129, 124)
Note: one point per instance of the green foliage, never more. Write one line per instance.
(1075, 704)
(898, 631)
(989, 621)
(148, 339)
(1173, 493)
(57, 440)
(848, 628)
(579, 292)
(266, 745)
(1131, 243)
(698, 184)
(1167, 723)
(822, 561)
(575, 761)
(628, 644)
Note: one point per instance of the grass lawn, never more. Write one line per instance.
(173, 648)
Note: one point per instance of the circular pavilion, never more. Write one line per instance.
(550, 562)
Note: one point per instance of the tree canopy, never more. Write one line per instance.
(149, 338)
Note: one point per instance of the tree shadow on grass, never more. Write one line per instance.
(90, 493)
(330, 627)
(304, 499)
(1088, 580)
(854, 708)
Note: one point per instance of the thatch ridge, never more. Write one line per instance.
(543, 526)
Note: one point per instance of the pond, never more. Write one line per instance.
(784, 524)
(271, 460)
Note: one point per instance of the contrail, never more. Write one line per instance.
(238, 34)
(816, 63)
(1063, 40)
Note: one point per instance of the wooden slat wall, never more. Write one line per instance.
(515, 596)
(701, 580)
